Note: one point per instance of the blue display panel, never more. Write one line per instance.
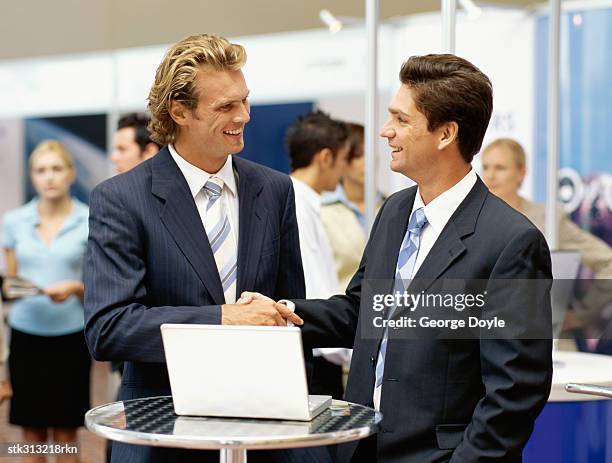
(572, 432)
(264, 136)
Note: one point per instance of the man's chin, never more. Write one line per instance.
(236, 148)
(396, 166)
(403, 169)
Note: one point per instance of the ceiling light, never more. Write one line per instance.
(577, 20)
(473, 11)
(333, 24)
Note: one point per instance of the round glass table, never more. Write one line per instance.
(152, 421)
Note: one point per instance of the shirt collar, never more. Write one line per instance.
(197, 178)
(339, 196)
(307, 194)
(31, 210)
(79, 213)
(440, 210)
(336, 196)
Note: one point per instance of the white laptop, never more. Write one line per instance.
(239, 371)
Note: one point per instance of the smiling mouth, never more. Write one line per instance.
(233, 132)
(396, 149)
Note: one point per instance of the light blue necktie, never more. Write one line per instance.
(221, 238)
(403, 271)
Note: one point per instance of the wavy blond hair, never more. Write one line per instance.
(53, 146)
(176, 76)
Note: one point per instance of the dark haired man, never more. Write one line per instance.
(132, 143)
(443, 400)
(318, 150)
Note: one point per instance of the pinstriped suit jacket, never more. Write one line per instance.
(149, 262)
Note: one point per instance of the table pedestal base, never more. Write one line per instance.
(233, 456)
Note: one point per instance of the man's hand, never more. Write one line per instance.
(256, 309)
(6, 392)
(61, 291)
(246, 297)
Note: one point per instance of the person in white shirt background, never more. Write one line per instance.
(318, 150)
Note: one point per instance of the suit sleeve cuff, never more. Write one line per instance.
(290, 305)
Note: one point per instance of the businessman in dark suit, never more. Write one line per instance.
(443, 398)
(175, 239)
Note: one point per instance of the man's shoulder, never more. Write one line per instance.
(500, 229)
(268, 175)
(126, 182)
(503, 219)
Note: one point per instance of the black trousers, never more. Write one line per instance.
(326, 378)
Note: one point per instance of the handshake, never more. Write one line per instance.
(257, 309)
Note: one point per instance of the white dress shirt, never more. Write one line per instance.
(438, 213)
(197, 178)
(317, 257)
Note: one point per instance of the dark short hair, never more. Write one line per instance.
(139, 122)
(356, 140)
(312, 133)
(447, 88)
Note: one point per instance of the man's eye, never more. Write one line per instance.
(226, 107)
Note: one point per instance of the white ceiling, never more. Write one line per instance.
(31, 28)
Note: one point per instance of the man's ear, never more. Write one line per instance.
(522, 174)
(178, 112)
(449, 132)
(149, 151)
(325, 157)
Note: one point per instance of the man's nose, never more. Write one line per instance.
(244, 115)
(387, 132)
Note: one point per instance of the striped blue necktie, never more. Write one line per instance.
(221, 238)
(403, 271)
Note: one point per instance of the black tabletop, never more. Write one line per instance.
(152, 421)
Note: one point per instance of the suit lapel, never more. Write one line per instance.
(252, 212)
(182, 220)
(449, 246)
(394, 235)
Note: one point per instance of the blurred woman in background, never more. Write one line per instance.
(49, 364)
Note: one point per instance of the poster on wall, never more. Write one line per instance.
(585, 164)
(84, 137)
(585, 177)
